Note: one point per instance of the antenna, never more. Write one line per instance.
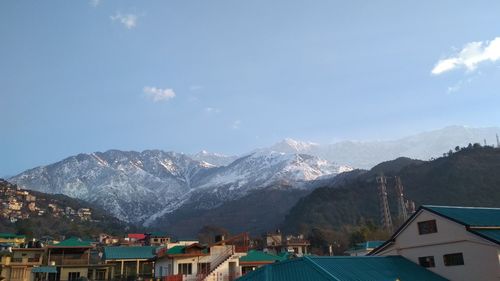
(402, 210)
(385, 214)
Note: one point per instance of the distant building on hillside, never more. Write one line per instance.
(457, 243)
(362, 249)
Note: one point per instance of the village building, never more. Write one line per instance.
(157, 239)
(255, 259)
(458, 243)
(17, 263)
(130, 262)
(75, 258)
(219, 261)
(12, 239)
(364, 248)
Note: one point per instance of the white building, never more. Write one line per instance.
(198, 262)
(458, 243)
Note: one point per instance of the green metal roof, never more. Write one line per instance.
(389, 268)
(259, 256)
(44, 269)
(11, 236)
(491, 234)
(123, 253)
(158, 234)
(176, 250)
(180, 249)
(73, 242)
(470, 216)
(365, 246)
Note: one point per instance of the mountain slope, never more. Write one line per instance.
(139, 187)
(467, 178)
(53, 215)
(365, 155)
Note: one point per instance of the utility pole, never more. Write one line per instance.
(402, 212)
(385, 214)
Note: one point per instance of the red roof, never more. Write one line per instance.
(137, 236)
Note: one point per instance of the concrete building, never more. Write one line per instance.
(198, 262)
(17, 264)
(458, 243)
(130, 263)
(75, 258)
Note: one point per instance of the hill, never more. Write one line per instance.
(467, 177)
(36, 214)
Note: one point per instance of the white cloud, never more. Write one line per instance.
(212, 110)
(157, 94)
(472, 54)
(236, 124)
(128, 20)
(94, 3)
(458, 86)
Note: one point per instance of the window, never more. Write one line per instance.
(72, 276)
(17, 273)
(185, 268)
(203, 267)
(426, 261)
(453, 259)
(427, 227)
(100, 274)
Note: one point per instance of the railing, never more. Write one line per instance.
(215, 263)
(66, 261)
(16, 260)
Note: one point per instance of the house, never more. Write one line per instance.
(342, 269)
(297, 245)
(198, 262)
(18, 263)
(10, 238)
(135, 239)
(157, 238)
(255, 259)
(458, 243)
(362, 249)
(130, 262)
(75, 258)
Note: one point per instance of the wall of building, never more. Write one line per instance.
(66, 270)
(481, 257)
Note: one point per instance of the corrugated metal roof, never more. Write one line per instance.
(491, 234)
(259, 256)
(44, 269)
(73, 242)
(470, 216)
(123, 253)
(11, 236)
(389, 268)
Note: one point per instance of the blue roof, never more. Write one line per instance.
(133, 253)
(469, 216)
(368, 245)
(343, 269)
(44, 269)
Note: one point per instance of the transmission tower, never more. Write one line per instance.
(385, 214)
(402, 209)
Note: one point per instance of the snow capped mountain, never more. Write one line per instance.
(366, 154)
(215, 159)
(139, 187)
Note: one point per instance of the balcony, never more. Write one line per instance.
(69, 261)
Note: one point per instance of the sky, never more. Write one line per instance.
(230, 76)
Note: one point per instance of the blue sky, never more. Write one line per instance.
(229, 76)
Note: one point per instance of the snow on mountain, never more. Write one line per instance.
(139, 187)
(366, 154)
(215, 159)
